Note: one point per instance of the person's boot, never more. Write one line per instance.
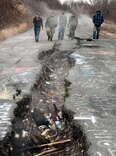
(97, 36)
(36, 39)
(94, 35)
(51, 39)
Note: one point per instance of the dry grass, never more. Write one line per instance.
(13, 30)
(110, 27)
(16, 15)
(14, 18)
(109, 30)
(109, 35)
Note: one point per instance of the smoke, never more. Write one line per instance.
(70, 1)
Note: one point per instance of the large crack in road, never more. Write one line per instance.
(47, 98)
(91, 95)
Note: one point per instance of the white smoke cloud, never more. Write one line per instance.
(63, 1)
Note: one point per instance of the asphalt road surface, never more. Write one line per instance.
(93, 92)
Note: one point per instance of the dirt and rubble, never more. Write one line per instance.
(42, 125)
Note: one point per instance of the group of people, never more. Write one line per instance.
(98, 20)
(52, 22)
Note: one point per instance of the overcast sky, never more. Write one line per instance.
(62, 1)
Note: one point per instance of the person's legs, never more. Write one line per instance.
(62, 33)
(94, 32)
(52, 33)
(48, 34)
(69, 33)
(98, 31)
(94, 35)
(37, 33)
(59, 35)
(72, 32)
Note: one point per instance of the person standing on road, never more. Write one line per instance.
(62, 26)
(51, 24)
(38, 24)
(98, 20)
(72, 26)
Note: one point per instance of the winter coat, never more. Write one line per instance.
(72, 22)
(51, 22)
(38, 22)
(98, 19)
(62, 21)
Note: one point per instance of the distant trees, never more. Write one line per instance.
(112, 10)
(108, 8)
(7, 10)
(99, 5)
(17, 11)
(11, 12)
(52, 4)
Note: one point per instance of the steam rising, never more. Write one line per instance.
(69, 1)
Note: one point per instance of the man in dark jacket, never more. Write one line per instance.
(98, 19)
(38, 24)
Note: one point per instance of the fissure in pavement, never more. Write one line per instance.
(42, 125)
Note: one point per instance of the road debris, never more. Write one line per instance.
(42, 125)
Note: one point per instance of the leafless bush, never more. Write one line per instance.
(11, 12)
(16, 11)
(107, 7)
(112, 11)
(37, 5)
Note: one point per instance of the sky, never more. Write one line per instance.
(62, 1)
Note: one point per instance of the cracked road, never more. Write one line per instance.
(93, 94)
(93, 90)
(19, 67)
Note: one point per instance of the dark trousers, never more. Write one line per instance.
(50, 33)
(37, 33)
(72, 32)
(96, 32)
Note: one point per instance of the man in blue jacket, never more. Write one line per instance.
(98, 20)
(38, 24)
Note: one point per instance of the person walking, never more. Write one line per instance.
(72, 26)
(38, 24)
(51, 24)
(98, 20)
(62, 26)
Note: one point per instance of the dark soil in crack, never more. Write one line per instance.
(42, 125)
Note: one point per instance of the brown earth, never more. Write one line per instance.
(109, 30)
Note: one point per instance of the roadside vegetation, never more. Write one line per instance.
(108, 9)
(16, 15)
(13, 18)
